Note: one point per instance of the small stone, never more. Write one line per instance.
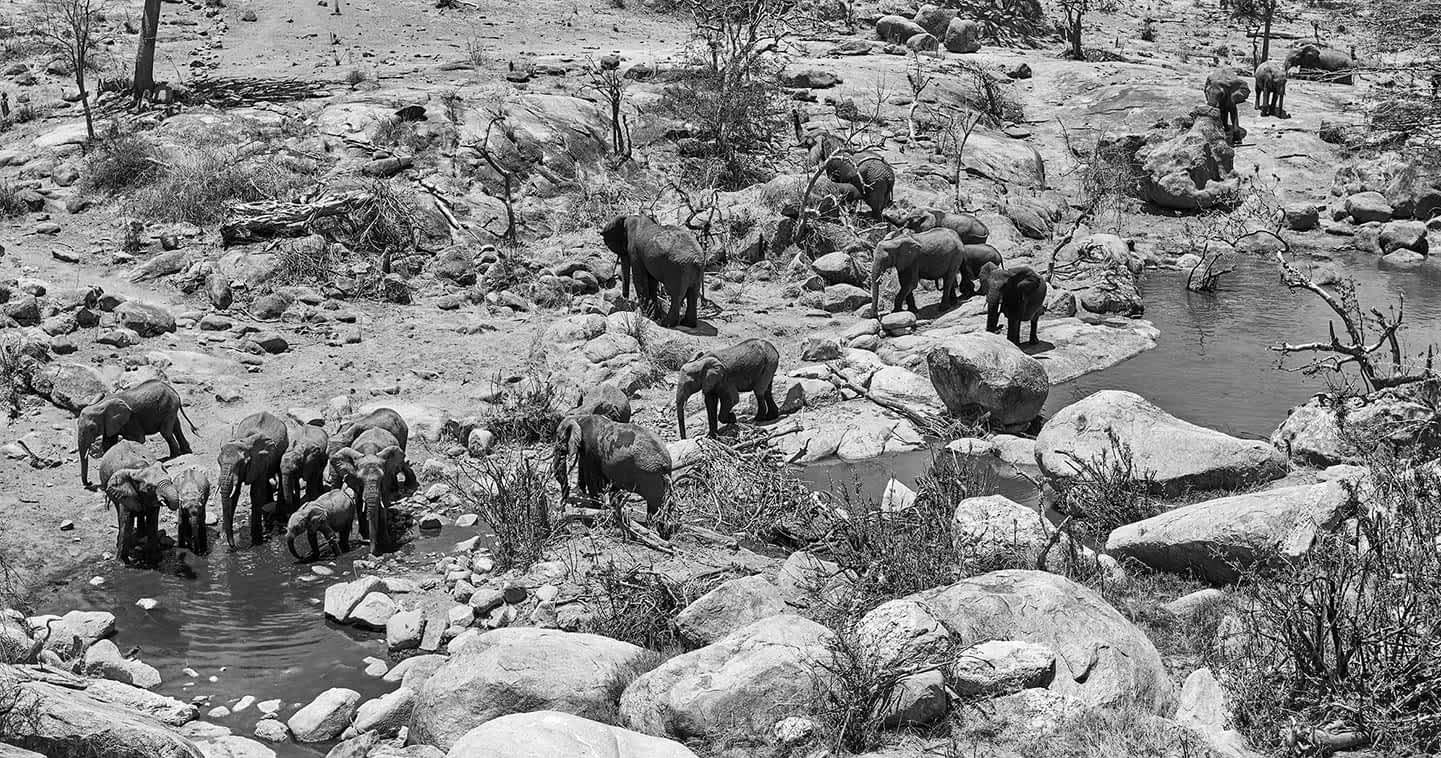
(218, 712)
(466, 520)
(272, 730)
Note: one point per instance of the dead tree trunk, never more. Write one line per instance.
(144, 79)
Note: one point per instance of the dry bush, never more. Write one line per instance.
(1105, 492)
(119, 161)
(387, 226)
(509, 494)
(749, 495)
(196, 183)
(525, 411)
(993, 98)
(1341, 647)
(598, 199)
(858, 688)
(14, 379)
(637, 604)
(10, 202)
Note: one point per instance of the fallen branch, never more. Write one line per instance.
(840, 380)
(265, 219)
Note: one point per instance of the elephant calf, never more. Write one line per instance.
(193, 484)
(1224, 90)
(330, 514)
(609, 454)
(936, 253)
(304, 462)
(972, 230)
(136, 485)
(1019, 293)
(1271, 89)
(721, 375)
(870, 174)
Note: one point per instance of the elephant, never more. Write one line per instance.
(933, 254)
(330, 514)
(136, 485)
(868, 173)
(1321, 58)
(653, 253)
(1271, 89)
(1019, 293)
(151, 407)
(721, 375)
(251, 456)
(972, 230)
(380, 418)
(604, 400)
(372, 467)
(304, 462)
(1224, 90)
(612, 454)
(193, 484)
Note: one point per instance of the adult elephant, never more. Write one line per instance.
(372, 467)
(604, 400)
(653, 253)
(304, 462)
(610, 454)
(1337, 63)
(380, 418)
(1224, 91)
(972, 230)
(1019, 293)
(251, 456)
(933, 254)
(721, 375)
(136, 485)
(1271, 89)
(329, 515)
(151, 407)
(870, 174)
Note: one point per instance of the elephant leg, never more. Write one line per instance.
(259, 496)
(993, 316)
(358, 514)
(314, 544)
(152, 533)
(625, 278)
(672, 316)
(173, 440)
(728, 399)
(1035, 320)
(1013, 330)
(122, 536)
(948, 293)
(712, 402)
(692, 302)
(1280, 110)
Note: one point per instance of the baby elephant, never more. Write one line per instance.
(1271, 89)
(722, 375)
(193, 484)
(328, 514)
(1019, 293)
(1224, 90)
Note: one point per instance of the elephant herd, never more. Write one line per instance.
(1224, 89)
(312, 482)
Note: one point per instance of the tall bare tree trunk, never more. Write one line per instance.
(144, 78)
(1269, 9)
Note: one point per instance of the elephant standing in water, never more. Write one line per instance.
(151, 407)
(252, 456)
(371, 466)
(653, 253)
(612, 454)
(380, 418)
(136, 485)
(193, 483)
(721, 375)
(330, 514)
(1019, 293)
(303, 463)
(1224, 91)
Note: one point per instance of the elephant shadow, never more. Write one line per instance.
(702, 328)
(1041, 346)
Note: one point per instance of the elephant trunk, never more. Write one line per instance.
(682, 394)
(878, 267)
(229, 496)
(83, 442)
(375, 513)
(290, 543)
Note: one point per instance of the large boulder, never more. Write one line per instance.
(1321, 433)
(1170, 455)
(1101, 271)
(1404, 235)
(325, 717)
(728, 607)
(993, 529)
(897, 29)
(520, 669)
(144, 319)
(1101, 658)
(1192, 170)
(962, 35)
(907, 388)
(1365, 207)
(553, 734)
(70, 386)
(934, 19)
(743, 684)
(64, 723)
(984, 372)
(1217, 539)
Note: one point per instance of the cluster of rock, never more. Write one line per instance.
(932, 28)
(1186, 165)
(1387, 208)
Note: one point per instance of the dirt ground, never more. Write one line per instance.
(417, 356)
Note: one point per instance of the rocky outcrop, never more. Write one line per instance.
(1170, 455)
(1403, 235)
(1320, 433)
(897, 29)
(553, 733)
(1365, 207)
(325, 717)
(984, 373)
(1217, 539)
(962, 36)
(1101, 271)
(741, 685)
(67, 723)
(520, 669)
(1001, 667)
(728, 607)
(1191, 170)
(994, 528)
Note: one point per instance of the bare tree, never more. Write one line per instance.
(1075, 13)
(70, 28)
(954, 131)
(507, 175)
(606, 80)
(144, 79)
(920, 79)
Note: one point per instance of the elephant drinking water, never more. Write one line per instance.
(136, 485)
(251, 456)
(330, 514)
(372, 466)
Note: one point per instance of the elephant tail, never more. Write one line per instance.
(193, 428)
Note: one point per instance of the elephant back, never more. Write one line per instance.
(678, 245)
(874, 169)
(374, 440)
(123, 455)
(749, 362)
(264, 423)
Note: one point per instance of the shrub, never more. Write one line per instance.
(639, 605)
(1340, 647)
(525, 410)
(509, 495)
(384, 227)
(859, 686)
(355, 76)
(196, 183)
(14, 379)
(120, 161)
(993, 98)
(10, 202)
(749, 495)
(1106, 492)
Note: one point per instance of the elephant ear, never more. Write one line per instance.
(712, 373)
(614, 234)
(115, 415)
(121, 487)
(983, 282)
(344, 461)
(394, 456)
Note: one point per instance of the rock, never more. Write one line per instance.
(103, 659)
(553, 733)
(270, 341)
(404, 630)
(166, 710)
(1203, 707)
(325, 717)
(24, 309)
(741, 684)
(898, 323)
(1191, 607)
(1101, 658)
(1404, 235)
(993, 530)
(984, 373)
(1100, 270)
(843, 298)
(730, 606)
(896, 498)
(145, 319)
(66, 722)
(915, 700)
(341, 599)
(516, 668)
(897, 385)
(804, 576)
(1190, 170)
(1176, 456)
(897, 29)
(809, 79)
(1001, 667)
(479, 443)
(923, 42)
(820, 350)
(1217, 539)
(838, 268)
(1364, 207)
(87, 626)
(1301, 217)
(272, 730)
(120, 337)
(1403, 259)
(412, 672)
(386, 714)
(963, 35)
(373, 611)
(1319, 433)
(269, 307)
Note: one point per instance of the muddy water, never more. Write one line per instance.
(251, 619)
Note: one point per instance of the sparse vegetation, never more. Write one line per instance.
(10, 202)
(525, 409)
(1106, 492)
(120, 161)
(509, 495)
(637, 604)
(749, 495)
(73, 29)
(13, 382)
